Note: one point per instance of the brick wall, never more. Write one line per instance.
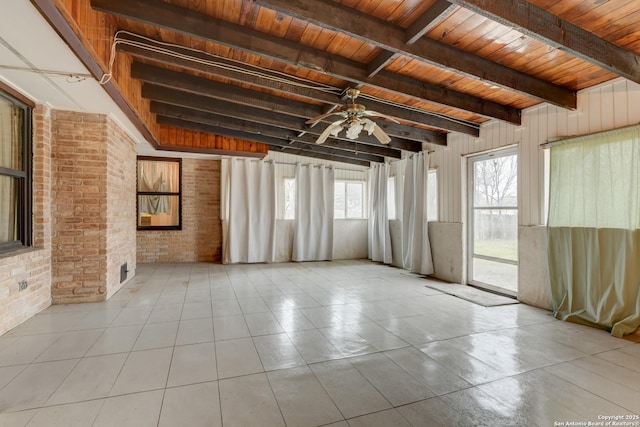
(31, 265)
(92, 179)
(201, 236)
(121, 206)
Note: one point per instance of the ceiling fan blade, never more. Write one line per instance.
(329, 130)
(380, 134)
(370, 113)
(323, 116)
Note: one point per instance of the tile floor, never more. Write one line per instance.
(342, 344)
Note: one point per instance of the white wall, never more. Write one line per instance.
(607, 106)
(350, 237)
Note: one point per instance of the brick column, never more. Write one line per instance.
(92, 172)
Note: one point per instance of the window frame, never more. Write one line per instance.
(24, 202)
(364, 197)
(159, 193)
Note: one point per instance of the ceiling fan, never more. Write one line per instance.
(354, 120)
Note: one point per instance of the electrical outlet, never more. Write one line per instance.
(22, 285)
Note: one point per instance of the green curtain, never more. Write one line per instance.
(594, 230)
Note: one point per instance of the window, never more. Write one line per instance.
(432, 195)
(289, 198)
(159, 193)
(15, 174)
(391, 197)
(349, 199)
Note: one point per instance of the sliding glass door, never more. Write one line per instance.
(493, 221)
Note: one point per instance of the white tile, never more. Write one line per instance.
(196, 310)
(17, 419)
(397, 386)
(72, 415)
(610, 371)
(347, 341)
(165, 313)
(8, 373)
(262, 324)
(253, 305)
(314, 347)
(540, 408)
(227, 306)
(192, 364)
(70, 345)
(92, 378)
(293, 320)
(131, 410)
(143, 370)
(464, 365)
(390, 417)
(434, 375)
(621, 358)
(348, 389)
(26, 349)
(277, 352)
(237, 357)
(195, 331)
(230, 327)
(193, 405)
(377, 336)
(32, 387)
(435, 412)
(301, 398)
(249, 401)
(115, 340)
(198, 295)
(557, 390)
(100, 318)
(321, 317)
(598, 385)
(157, 335)
(132, 316)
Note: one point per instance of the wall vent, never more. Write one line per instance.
(123, 272)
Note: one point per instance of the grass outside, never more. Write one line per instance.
(504, 249)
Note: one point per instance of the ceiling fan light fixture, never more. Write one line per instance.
(354, 120)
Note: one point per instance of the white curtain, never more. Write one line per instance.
(249, 211)
(379, 235)
(313, 228)
(416, 250)
(594, 230)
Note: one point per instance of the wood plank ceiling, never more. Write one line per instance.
(243, 76)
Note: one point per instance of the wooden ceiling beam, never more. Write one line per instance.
(226, 68)
(337, 17)
(436, 13)
(298, 152)
(205, 27)
(204, 87)
(542, 25)
(241, 124)
(439, 10)
(308, 150)
(156, 75)
(203, 103)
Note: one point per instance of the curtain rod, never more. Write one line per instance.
(294, 164)
(313, 164)
(574, 138)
